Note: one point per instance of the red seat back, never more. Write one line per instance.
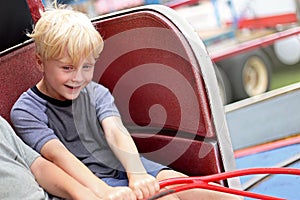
(145, 63)
(18, 72)
(151, 67)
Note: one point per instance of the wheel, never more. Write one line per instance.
(224, 85)
(249, 74)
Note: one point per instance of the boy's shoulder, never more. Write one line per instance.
(95, 85)
(96, 88)
(29, 98)
(29, 103)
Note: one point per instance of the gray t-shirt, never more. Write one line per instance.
(16, 179)
(38, 118)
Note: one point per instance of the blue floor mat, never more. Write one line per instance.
(284, 186)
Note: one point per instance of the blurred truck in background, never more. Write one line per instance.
(247, 40)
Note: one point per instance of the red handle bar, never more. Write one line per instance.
(203, 182)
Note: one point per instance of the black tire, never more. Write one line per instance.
(224, 85)
(249, 74)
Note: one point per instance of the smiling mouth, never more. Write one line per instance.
(72, 87)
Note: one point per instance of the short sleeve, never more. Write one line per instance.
(24, 152)
(30, 120)
(104, 103)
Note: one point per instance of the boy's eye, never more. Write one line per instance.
(87, 67)
(67, 67)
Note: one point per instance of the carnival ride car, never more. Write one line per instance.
(164, 84)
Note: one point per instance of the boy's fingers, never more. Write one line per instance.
(141, 190)
(153, 187)
(139, 193)
(144, 189)
(157, 186)
(144, 186)
(129, 194)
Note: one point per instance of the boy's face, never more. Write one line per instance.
(64, 81)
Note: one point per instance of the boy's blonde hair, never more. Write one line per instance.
(61, 31)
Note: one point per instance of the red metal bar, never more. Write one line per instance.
(250, 171)
(260, 42)
(203, 182)
(176, 4)
(204, 185)
(266, 147)
(269, 21)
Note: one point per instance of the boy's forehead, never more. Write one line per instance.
(68, 60)
(65, 59)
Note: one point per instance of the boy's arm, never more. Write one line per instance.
(57, 182)
(124, 148)
(56, 152)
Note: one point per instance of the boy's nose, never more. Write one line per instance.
(77, 76)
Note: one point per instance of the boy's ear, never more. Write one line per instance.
(39, 62)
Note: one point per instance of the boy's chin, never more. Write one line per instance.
(71, 97)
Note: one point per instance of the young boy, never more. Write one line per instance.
(27, 175)
(73, 121)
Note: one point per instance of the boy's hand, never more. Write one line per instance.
(118, 193)
(143, 185)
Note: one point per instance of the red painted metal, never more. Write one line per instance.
(36, 7)
(253, 44)
(267, 147)
(177, 4)
(203, 182)
(269, 21)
